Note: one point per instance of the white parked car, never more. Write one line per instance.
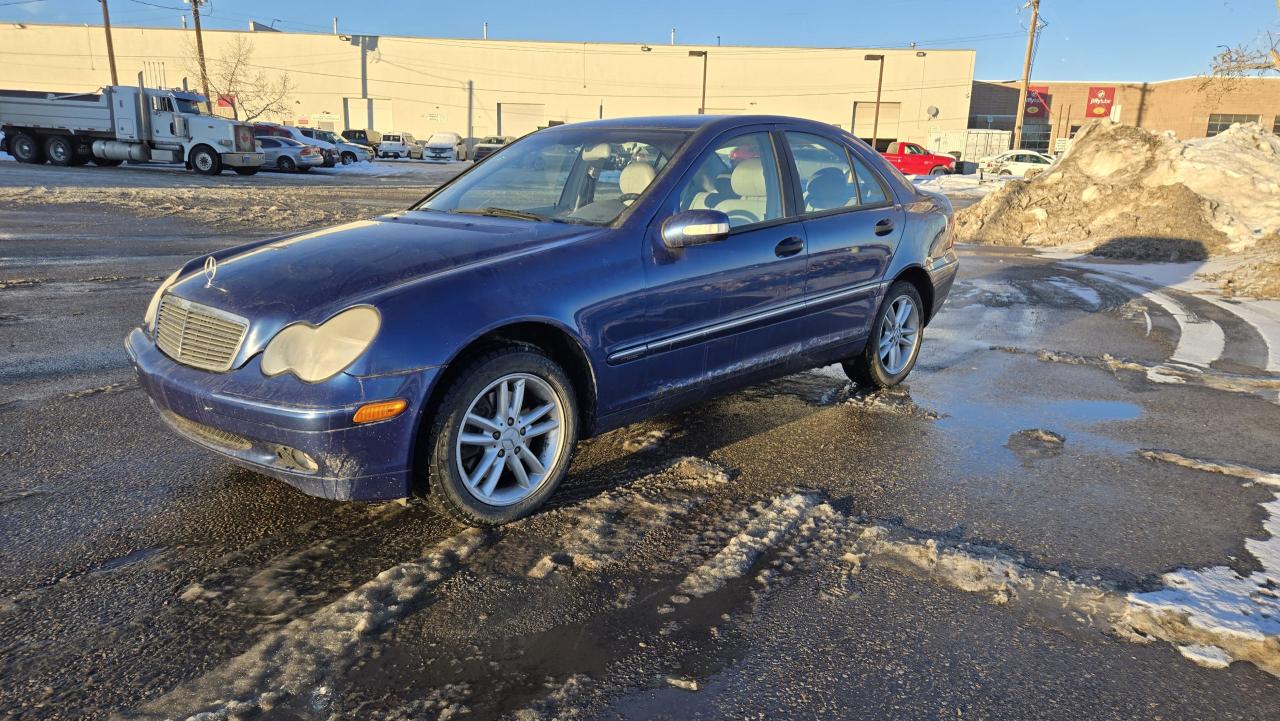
(1017, 163)
(398, 145)
(445, 146)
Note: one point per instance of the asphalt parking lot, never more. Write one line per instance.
(1035, 526)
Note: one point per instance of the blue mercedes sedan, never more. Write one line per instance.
(579, 279)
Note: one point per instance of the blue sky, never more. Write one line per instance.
(1085, 39)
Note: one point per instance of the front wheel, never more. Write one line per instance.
(205, 160)
(891, 351)
(502, 437)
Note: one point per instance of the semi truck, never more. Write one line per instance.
(124, 122)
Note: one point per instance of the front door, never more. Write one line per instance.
(720, 310)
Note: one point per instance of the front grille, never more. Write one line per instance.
(210, 435)
(197, 335)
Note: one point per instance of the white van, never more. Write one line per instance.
(399, 145)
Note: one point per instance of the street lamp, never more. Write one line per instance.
(702, 109)
(875, 125)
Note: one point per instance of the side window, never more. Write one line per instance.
(268, 143)
(738, 177)
(824, 171)
(870, 189)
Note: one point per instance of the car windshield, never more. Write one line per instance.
(571, 175)
(441, 138)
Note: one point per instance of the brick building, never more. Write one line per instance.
(1194, 107)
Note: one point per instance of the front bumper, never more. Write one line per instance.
(438, 155)
(243, 160)
(259, 422)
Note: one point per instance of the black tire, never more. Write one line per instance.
(107, 162)
(205, 160)
(348, 158)
(286, 164)
(446, 487)
(867, 369)
(938, 170)
(60, 150)
(25, 148)
(246, 171)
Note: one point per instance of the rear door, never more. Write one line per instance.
(852, 224)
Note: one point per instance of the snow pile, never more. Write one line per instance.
(1122, 191)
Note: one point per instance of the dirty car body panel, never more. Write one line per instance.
(650, 328)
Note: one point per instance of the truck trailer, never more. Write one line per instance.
(123, 122)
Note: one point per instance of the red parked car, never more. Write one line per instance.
(913, 159)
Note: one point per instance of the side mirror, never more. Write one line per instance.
(694, 227)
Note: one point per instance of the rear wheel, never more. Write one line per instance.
(938, 170)
(286, 164)
(205, 160)
(502, 437)
(25, 148)
(60, 150)
(891, 351)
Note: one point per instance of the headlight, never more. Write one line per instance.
(149, 320)
(316, 352)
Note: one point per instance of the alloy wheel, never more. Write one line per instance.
(899, 335)
(510, 440)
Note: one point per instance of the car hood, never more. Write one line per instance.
(309, 277)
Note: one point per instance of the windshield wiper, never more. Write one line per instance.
(500, 213)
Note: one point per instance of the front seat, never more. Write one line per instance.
(828, 189)
(747, 182)
(634, 179)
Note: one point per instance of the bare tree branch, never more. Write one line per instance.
(257, 92)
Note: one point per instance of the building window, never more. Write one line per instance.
(1275, 126)
(1220, 122)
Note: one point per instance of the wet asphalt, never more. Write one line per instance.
(141, 577)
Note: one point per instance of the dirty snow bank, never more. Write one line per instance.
(1121, 191)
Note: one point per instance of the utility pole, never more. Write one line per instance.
(111, 51)
(875, 124)
(204, 73)
(1026, 74)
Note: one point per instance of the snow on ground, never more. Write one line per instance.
(957, 186)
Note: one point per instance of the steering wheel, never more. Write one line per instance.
(628, 197)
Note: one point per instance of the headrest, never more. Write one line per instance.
(828, 188)
(599, 151)
(636, 177)
(748, 178)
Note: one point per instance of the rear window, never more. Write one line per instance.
(391, 138)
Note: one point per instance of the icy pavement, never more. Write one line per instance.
(1033, 527)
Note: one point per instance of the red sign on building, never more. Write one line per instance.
(227, 100)
(1100, 101)
(1037, 101)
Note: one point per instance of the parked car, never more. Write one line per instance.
(444, 146)
(289, 155)
(489, 145)
(562, 304)
(914, 159)
(367, 138)
(398, 145)
(1018, 163)
(276, 130)
(348, 152)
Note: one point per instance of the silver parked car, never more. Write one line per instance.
(289, 155)
(348, 152)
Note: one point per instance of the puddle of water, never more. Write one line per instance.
(129, 559)
(985, 426)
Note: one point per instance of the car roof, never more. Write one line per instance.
(696, 122)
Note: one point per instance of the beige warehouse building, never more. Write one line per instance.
(420, 85)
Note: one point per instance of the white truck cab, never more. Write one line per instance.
(125, 122)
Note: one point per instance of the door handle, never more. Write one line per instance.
(884, 227)
(788, 247)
